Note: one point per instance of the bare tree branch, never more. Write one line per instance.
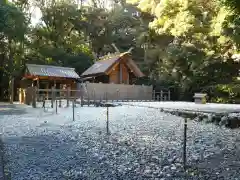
(130, 49)
(115, 47)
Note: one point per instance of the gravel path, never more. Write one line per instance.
(1, 159)
(144, 144)
(6, 110)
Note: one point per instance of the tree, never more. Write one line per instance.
(185, 44)
(232, 21)
(12, 32)
(194, 42)
(56, 41)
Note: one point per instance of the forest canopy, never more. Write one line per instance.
(186, 46)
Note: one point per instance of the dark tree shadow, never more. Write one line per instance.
(11, 109)
(224, 165)
(50, 157)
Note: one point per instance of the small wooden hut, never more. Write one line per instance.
(46, 77)
(118, 68)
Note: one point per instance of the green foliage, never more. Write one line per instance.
(203, 40)
(13, 28)
(224, 93)
(233, 4)
(12, 22)
(58, 41)
(183, 45)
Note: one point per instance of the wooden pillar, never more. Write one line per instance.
(81, 96)
(47, 88)
(94, 96)
(37, 89)
(161, 95)
(52, 94)
(34, 92)
(153, 95)
(120, 73)
(55, 87)
(68, 96)
(127, 77)
(38, 83)
(60, 90)
(169, 95)
(54, 84)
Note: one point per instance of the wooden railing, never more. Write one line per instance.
(35, 95)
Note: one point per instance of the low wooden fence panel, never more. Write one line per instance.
(95, 92)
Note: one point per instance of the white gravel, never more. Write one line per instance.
(208, 107)
(144, 144)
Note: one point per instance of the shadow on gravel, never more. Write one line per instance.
(51, 157)
(11, 109)
(223, 166)
(54, 157)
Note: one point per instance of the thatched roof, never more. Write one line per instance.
(105, 63)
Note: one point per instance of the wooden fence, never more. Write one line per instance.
(99, 91)
(32, 95)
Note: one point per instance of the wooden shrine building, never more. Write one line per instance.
(118, 68)
(46, 77)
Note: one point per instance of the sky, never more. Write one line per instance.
(36, 15)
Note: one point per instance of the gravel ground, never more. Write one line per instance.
(144, 144)
(178, 105)
(1, 159)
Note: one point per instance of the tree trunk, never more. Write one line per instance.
(1, 77)
(11, 87)
(11, 72)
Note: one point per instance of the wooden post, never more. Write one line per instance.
(73, 107)
(185, 144)
(161, 95)
(43, 106)
(153, 95)
(38, 84)
(81, 98)
(34, 91)
(117, 97)
(120, 73)
(60, 103)
(68, 96)
(106, 96)
(94, 96)
(52, 96)
(54, 84)
(165, 98)
(169, 95)
(47, 88)
(112, 97)
(107, 120)
(56, 106)
(88, 101)
(38, 89)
